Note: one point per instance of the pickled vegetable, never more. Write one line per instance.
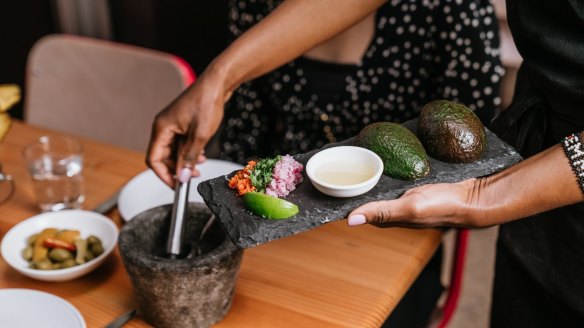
(32, 238)
(68, 264)
(42, 265)
(68, 236)
(56, 243)
(54, 249)
(81, 245)
(60, 254)
(41, 252)
(97, 249)
(93, 240)
(27, 253)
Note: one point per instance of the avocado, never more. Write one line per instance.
(451, 132)
(400, 150)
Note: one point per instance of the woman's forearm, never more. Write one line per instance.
(537, 184)
(289, 31)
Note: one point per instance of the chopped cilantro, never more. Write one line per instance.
(262, 172)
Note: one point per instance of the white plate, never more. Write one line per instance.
(32, 308)
(146, 190)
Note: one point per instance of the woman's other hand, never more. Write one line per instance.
(425, 206)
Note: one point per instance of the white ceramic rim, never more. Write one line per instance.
(147, 185)
(75, 314)
(375, 176)
(5, 249)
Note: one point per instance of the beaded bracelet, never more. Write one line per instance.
(575, 153)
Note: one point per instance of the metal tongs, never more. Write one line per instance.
(174, 246)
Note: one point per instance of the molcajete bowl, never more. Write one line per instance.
(193, 291)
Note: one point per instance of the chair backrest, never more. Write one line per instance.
(100, 89)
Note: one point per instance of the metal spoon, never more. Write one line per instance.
(203, 233)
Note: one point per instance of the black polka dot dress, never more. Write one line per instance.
(420, 51)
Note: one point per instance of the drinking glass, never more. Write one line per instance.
(55, 164)
(6, 186)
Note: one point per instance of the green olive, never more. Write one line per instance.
(91, 240)
(60, 254)
(68, 263)
(56, 266)
(89, 256)
(27, 253)
(43, 265)
(97, 249)
(32, 239)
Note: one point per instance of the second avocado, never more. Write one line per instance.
(400, 150)
(451, 132)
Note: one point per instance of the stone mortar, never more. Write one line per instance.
(189, 292)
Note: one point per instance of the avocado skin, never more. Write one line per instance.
(451, 132)
(400, 150)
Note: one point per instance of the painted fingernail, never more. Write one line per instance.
(357, 219)
(185, 175)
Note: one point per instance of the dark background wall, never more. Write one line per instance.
(22, 23)
(195, 30)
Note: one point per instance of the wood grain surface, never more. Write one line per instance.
(333, 276)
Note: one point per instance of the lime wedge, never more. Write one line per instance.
(269, 207)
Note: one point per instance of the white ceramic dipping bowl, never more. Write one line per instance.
(87, 222)
(344, 171)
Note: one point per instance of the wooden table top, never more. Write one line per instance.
(333, 276)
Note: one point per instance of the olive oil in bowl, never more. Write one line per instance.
(343, 177)
(344, 171)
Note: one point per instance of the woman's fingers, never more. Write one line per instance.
(432, 205)
(193, 150)
(160, 152)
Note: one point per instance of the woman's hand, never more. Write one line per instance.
(181, 131)
(425, 206)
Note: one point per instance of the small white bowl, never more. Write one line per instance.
(344, 171)
(87, 222)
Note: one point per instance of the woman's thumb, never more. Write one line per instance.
(376, 213)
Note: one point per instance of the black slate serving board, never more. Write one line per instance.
(247, 230)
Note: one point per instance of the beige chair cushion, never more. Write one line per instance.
(100, 89)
